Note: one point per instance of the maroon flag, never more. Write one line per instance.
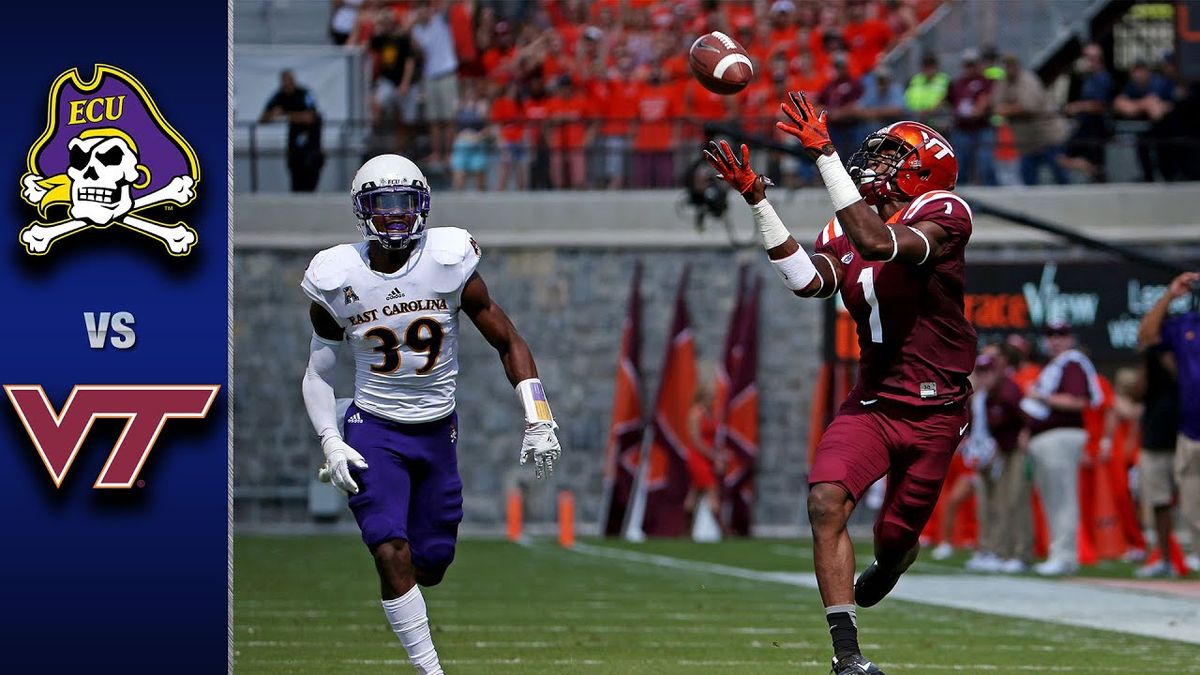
(737, 414)
(623, 451)
(666, 476)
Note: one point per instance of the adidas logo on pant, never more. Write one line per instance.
(356, 418)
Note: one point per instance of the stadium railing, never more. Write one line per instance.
(547, 162)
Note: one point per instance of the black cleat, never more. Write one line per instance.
(855, 664)
(873, 585)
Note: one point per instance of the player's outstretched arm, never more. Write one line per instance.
(803, 274)
(872, 238)
(540, 444)
(1150, 329)
(321, 403)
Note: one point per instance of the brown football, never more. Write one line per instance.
(720, 63)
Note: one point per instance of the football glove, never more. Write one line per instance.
(540, 446)
(729, 168)
(339, 457)
(807, 125)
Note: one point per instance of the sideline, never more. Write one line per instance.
(1067, 602)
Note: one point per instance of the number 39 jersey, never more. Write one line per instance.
(402, 327)
(916, 346)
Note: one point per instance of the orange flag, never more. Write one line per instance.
(667, 479)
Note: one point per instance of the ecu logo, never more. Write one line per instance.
(106, 157)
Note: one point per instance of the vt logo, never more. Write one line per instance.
(106, 156)
(57, 436)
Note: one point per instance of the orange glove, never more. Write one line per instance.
(737, 173)
(809, 127)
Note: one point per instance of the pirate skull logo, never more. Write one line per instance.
(106, 162)
(103, 168)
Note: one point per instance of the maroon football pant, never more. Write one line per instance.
(911, 446)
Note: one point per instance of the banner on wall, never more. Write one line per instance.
(1103, 302)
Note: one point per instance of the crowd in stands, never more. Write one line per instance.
(539, 94)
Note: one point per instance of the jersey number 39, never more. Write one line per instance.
(422, 335)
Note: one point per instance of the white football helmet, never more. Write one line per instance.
(391, 200)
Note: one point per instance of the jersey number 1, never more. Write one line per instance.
(389, 344)
(867, 280)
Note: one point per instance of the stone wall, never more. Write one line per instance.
(569, 303)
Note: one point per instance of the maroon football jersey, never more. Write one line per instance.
(916, 345)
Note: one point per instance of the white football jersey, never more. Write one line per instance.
(402, 327)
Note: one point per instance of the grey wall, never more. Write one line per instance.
(569, 303)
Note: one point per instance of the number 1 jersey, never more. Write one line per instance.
(916, 346)
(403, 326)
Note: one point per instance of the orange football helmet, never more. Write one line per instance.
(903, 161)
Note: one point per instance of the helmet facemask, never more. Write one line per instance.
(393, 215)
(877, 162)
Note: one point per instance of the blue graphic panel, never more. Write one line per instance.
(114, 175)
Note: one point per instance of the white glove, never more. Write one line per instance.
(540, 445)
(339, 457)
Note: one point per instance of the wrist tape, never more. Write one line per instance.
(840, 185)
(533, 399)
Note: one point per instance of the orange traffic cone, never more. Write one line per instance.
(566, 519)
(514, 512)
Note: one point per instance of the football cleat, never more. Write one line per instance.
(855, 664)
(873, 585)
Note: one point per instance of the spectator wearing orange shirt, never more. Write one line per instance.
(620, 112)
(865, 36)
(569, 109)
(782, 22)
(701, 107)
(496, 60)
(514, 155)
(462, 28)
(657, 131)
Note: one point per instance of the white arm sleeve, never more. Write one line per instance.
(319, 399)
(796, 270)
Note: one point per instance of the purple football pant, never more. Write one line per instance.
(411, 489)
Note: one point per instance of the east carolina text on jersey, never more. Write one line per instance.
(916, 345)
(402, 327)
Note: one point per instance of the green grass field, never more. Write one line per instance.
(310, 605)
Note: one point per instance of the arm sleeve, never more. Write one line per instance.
(317, 387)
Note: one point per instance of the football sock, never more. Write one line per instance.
(406, 614)
(843, 627)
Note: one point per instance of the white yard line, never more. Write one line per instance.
(1056, 601)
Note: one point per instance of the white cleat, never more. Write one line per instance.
(942, 551)
(1156, 570)
(984, 562)
(1056, 568)
(1013, 566)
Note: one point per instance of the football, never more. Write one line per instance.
(720, 63)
